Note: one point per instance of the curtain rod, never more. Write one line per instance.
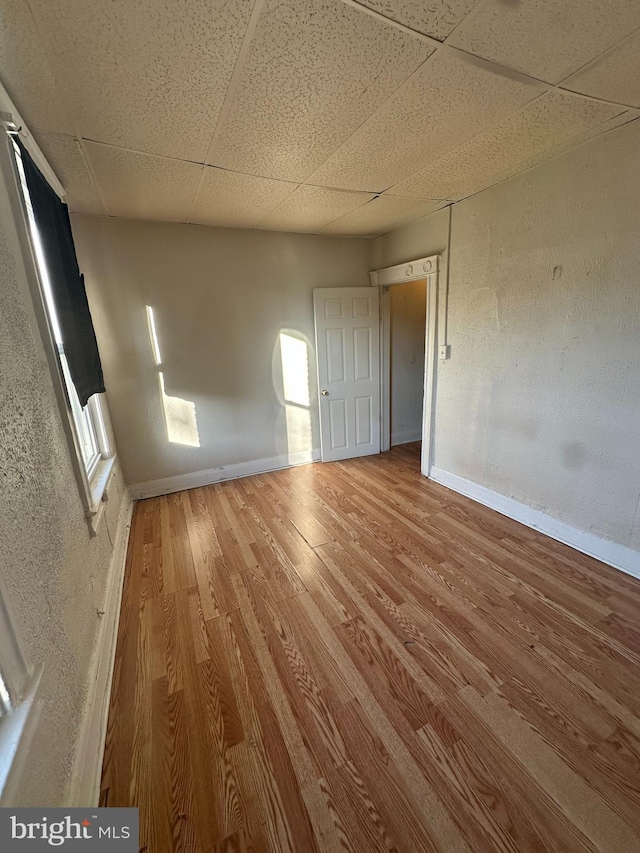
(14, 124)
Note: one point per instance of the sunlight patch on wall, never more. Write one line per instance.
(298, 431)
(180, 418)
(295, 382)
(155, 346)
(295, 369)
(179, 415)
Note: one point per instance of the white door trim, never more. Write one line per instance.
(422, 268)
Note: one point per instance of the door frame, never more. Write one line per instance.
(422, 268)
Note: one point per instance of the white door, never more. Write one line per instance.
(348, 350)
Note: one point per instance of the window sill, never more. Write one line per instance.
(16, 731)
(98, 489)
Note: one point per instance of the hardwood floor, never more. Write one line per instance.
(350, 657)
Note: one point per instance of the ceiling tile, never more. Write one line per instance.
(311, 208)
(64, 155)
(435, 18)
(316, 70)
(381, 215)
(233, 200)
(142, 186)
(614, 77)
(149, 75)
(535, 131)
(25, 72)
(447, 102)
(568, 144)
(548, 39)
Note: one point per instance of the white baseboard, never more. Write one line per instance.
(405, 436)
(87, 768)
(619, 556)
(166, 485)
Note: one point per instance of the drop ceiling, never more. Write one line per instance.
(317, 116)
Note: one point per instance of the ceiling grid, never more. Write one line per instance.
(319, 116)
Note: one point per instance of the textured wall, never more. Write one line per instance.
(408, 317)
(55, 573)
(540, 400)
(427, 236)
(221, 298)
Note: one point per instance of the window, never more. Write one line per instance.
(18, 700)
(89, 432)
(5, 699)
(85, 428)
(15, 670)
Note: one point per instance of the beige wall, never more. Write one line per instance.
(428, 236)
(55, 572)
(221, 299)
(408, 304)
(540, 400)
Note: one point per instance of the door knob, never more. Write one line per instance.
(325, 393)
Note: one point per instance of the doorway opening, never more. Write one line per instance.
(408, 352)
(407, 330)
(354, 353)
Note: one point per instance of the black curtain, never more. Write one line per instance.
(67, 284)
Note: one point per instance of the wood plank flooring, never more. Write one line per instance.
(348, 657)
